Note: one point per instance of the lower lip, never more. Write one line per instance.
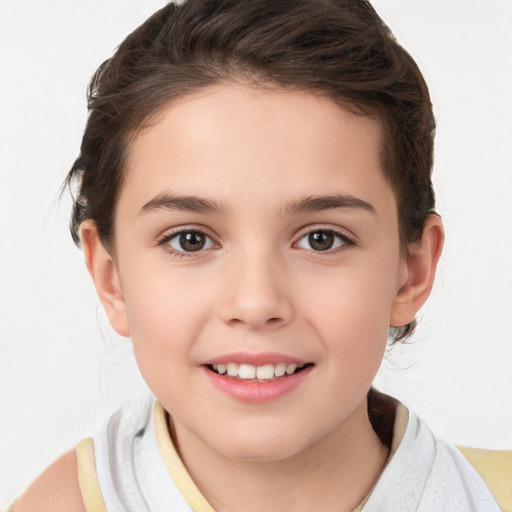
(253, 392)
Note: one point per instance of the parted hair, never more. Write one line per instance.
(338, 49)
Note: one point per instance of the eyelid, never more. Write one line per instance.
(348, 239)
(164, 239)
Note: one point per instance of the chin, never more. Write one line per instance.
(261, 445)
(261, 452)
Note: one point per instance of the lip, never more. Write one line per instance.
(255, 359)
(253, 392)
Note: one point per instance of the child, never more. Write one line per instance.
(256, 211)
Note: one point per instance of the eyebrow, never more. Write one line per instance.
(167, 201)
(172, 202)
(330, 202)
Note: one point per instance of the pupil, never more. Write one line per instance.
(321, 240)
(192, 241)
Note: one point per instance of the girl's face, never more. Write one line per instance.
(255, 231)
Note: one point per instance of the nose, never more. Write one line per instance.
(256, 294)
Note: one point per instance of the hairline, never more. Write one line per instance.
(258, 81)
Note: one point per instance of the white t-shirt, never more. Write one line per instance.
(132, 465)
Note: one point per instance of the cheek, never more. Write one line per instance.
(352, 311)
(165, 314)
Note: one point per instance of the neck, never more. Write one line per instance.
(335, 473)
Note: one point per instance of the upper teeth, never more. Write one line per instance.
(250, 372)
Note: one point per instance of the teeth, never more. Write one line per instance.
(232, 369)
(247, 371)
(280, 369)
(290, 368)
(250, 372)
(265, 372)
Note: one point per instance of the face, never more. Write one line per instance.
(256, 236)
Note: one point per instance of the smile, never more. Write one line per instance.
(257, 378)
(263, 373)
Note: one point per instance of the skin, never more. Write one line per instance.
(56, 489)
(259, 286)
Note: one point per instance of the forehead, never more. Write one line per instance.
(236, 141)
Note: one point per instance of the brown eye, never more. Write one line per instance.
(190, 241)
(323, 240)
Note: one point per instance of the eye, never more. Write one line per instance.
(188, 241)
(323, 240)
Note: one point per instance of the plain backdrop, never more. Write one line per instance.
(62, 370)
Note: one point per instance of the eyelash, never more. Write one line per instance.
(165, 240)
(347, 242)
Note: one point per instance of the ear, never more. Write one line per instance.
(104, 273)
(421, 269)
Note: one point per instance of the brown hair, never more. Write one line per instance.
(340, 49)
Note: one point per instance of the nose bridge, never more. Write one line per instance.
(255, 291)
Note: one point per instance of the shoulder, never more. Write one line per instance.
(56, 489)
(495, 468)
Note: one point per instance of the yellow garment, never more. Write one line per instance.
(89, 485)
(87, 477)
(175, 466)
(495, 468)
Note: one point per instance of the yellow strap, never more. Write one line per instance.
(175, 466)
(88, 478)
(11, 508)
(495, 468)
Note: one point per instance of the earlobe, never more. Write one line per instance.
(105, 276)
(421, 268)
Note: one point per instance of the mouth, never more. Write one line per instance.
(251, 373)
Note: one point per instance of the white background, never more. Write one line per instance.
(61, 368)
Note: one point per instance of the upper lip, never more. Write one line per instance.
(260, 359)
